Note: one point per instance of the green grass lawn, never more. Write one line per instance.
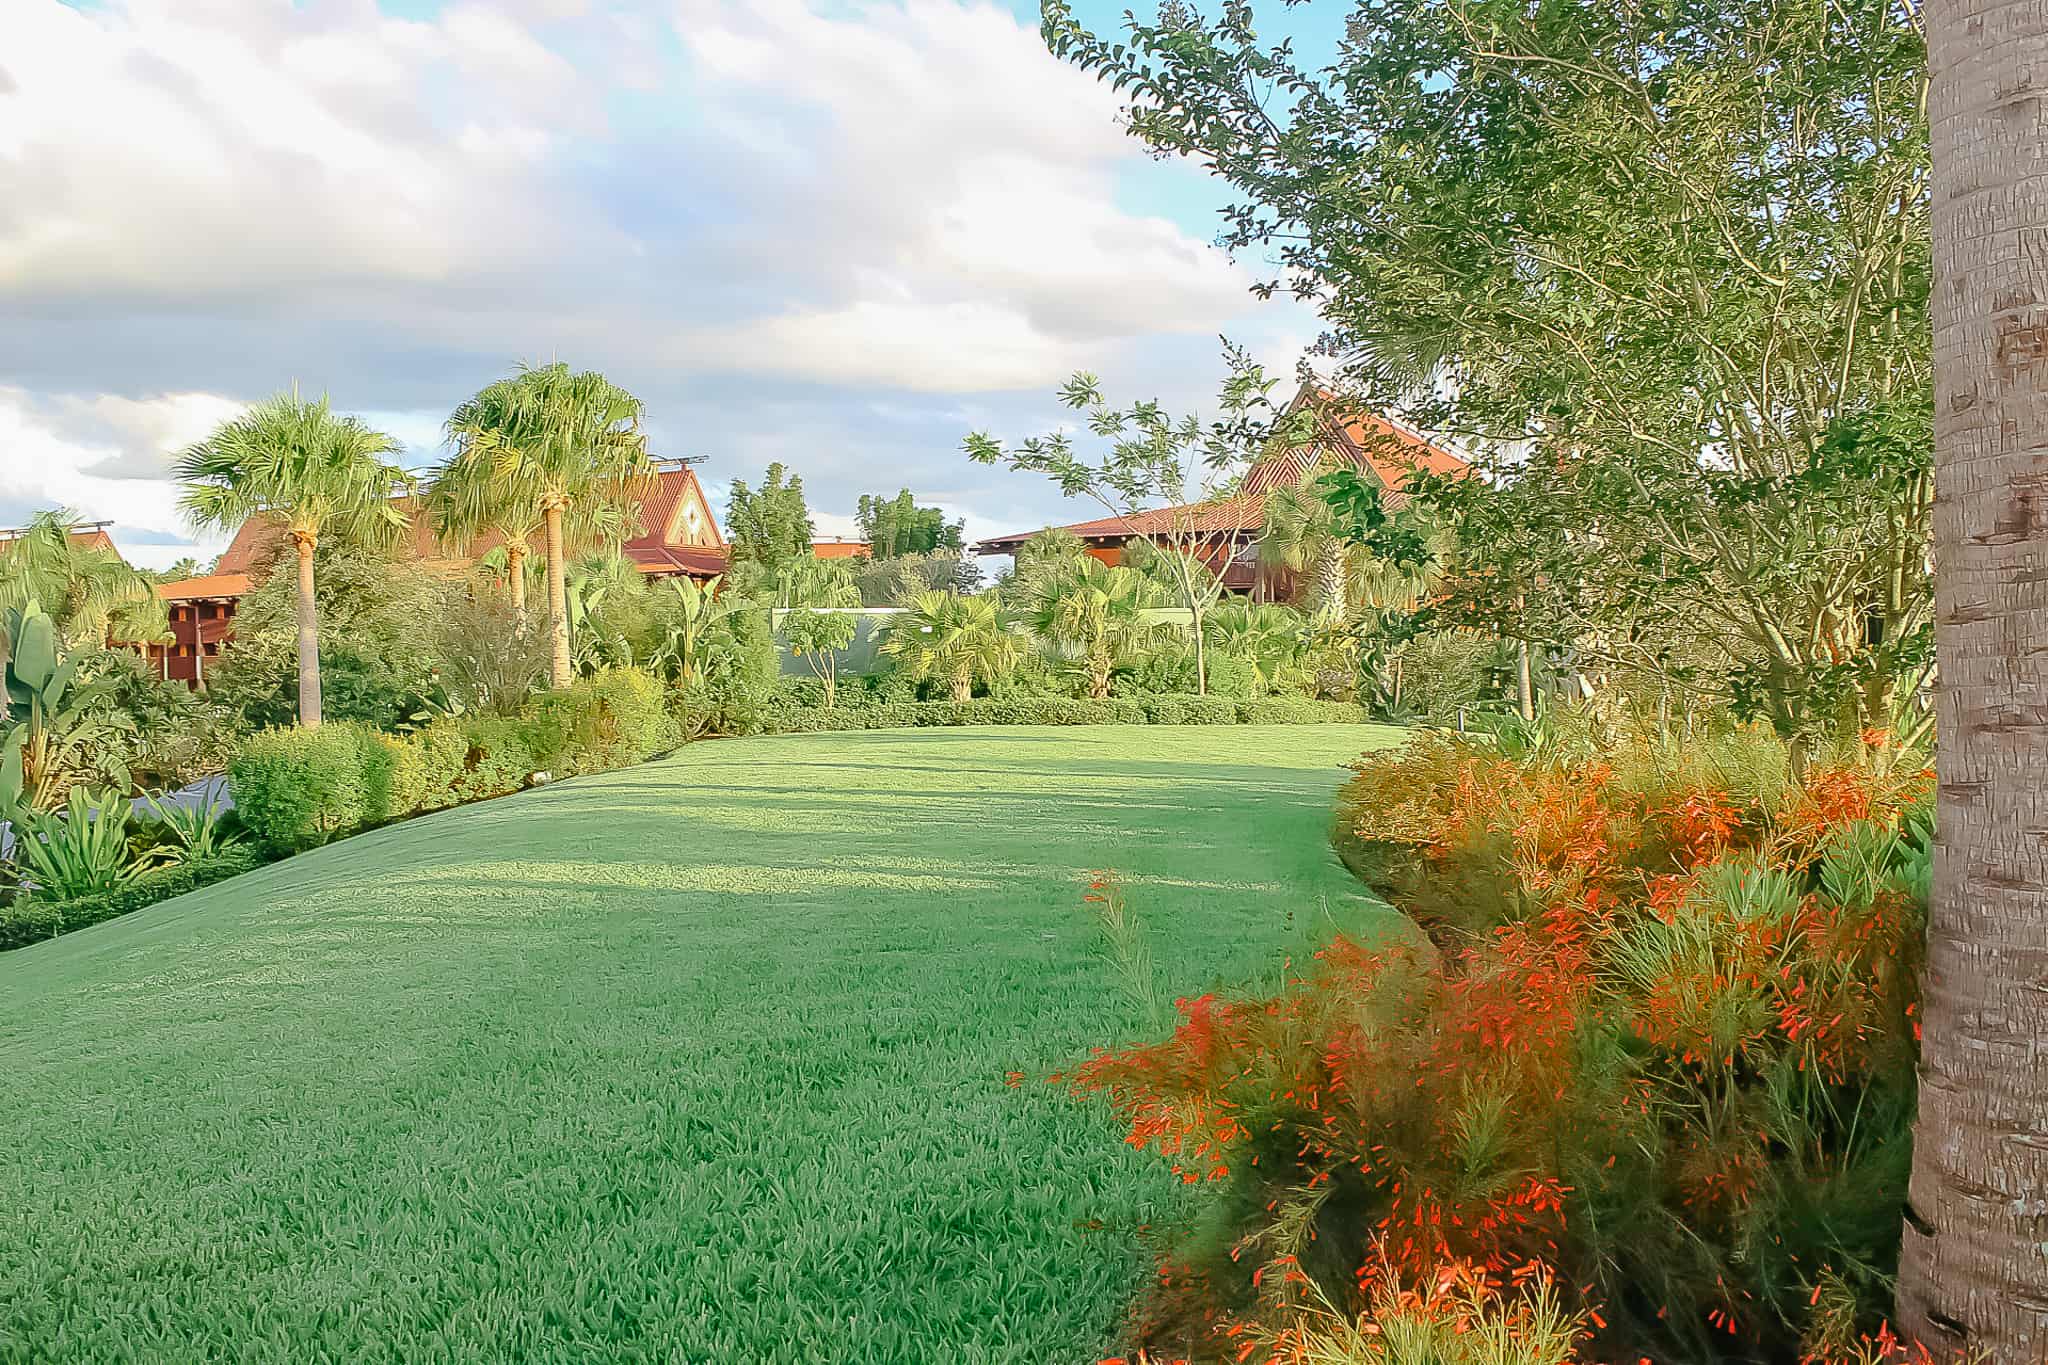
(699, 1061)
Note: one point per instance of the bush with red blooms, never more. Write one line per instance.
(1650, 1046)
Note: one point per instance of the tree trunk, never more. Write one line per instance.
(515, 572)
(309, 636)
(1525, 689)
(1973, 1271)
(1201, 651)
(963, 686)
(558, 598)
(1326, 600)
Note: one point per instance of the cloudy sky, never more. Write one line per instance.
(834, 233)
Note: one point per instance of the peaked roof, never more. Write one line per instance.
(669, 540)
(1371, 443)
(90, 536)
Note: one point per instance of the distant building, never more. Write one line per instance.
(678, 538)
(839, 549)
(1379, 447)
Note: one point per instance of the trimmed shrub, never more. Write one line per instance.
(498, 757)
(296, 788)
(439, 750)
(1162, 710)
(612, 720)
(33, 920)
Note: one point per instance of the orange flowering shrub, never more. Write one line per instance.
(1651, 1048)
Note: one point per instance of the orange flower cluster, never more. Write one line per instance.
(1654, 1047)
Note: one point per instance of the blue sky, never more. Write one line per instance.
(835, 234)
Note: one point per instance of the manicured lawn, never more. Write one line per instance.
(700, 1061)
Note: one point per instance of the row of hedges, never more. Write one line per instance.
(297, 788)
(1155, 710)
(32, 921)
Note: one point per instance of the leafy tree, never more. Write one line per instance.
(89, 591)
(294, 460)
(1663, 266)
(1150, 462)
(378, 623)
(814, 594)
(898, 526)
(1097, 617)
(566, 444)
(952, 639)
(768, 528)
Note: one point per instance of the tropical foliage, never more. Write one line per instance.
(953, 640)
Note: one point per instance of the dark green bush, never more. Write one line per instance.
(611, 720)
(32, 920)
(498, 758)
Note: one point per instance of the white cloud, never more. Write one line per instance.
(108, 459)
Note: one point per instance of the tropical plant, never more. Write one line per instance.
(90, 592)
(564, 443)
(892, 582)
(1266, 635)
(317, 474)
(485, 659)
(689, 618)
(81, 850)
(1972, 1275)
(195, 831)
(56, 729)
(1097, 617)
(952, 639)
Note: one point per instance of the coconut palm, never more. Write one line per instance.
(956, 639)
(563, 443)
(1097, 616)
(1972, 1277)
(317, 474)
(88, 590)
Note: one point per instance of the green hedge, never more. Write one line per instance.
(297, 788)
(31, 921)
(1157, 710)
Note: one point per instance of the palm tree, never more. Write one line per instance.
(88, 590)
(1300, 535)
(295, 461)
(1097, 616)
(562, 443)
(1972, 1277)
(1266, 635)
(957, 639)
(468, 503)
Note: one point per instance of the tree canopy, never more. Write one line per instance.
(771, 525)
(1662, 267)
(898, 526)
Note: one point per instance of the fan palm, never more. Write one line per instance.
(1097, 616)
(562, 443)
(295, 461)
(1268, 636)
(468, 503)
(956, 639)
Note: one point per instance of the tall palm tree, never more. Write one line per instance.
(467, 503)
(1096, 616)
(1300, 535)
(1971, 1273)
(563, 443)
(316, 473)
(89, 591)
(957, 639)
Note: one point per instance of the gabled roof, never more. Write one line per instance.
(669, 538)
(91, 536)
(1371, 443)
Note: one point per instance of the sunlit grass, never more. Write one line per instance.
(701, 1061)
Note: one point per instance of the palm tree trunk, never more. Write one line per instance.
(309, 636)
(515, 573)
(1327, 600)
(1973, 1273)
(963, 685)
(558, 598)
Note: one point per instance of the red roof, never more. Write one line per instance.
(207, 586)
(668, 542)
(1372, 443)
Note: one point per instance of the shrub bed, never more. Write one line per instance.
(1643, 1088)
(295, 788)
(1154, 710)
(31, 920)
